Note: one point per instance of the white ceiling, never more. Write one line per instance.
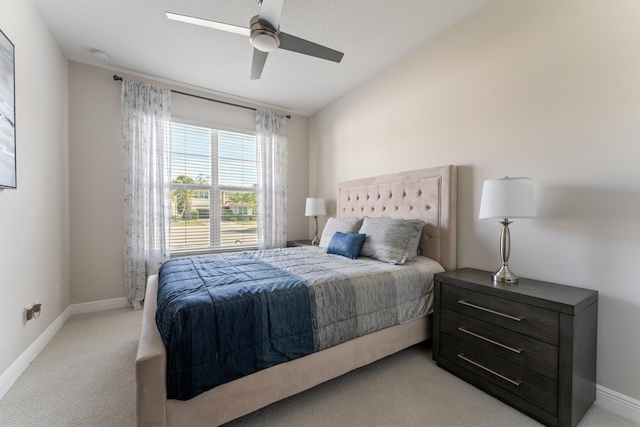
(140, 39)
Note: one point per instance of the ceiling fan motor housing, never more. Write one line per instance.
(263, 37)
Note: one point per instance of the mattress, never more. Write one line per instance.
(228, 315)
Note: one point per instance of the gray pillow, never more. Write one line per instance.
(412, 252)
(391, 240)
(343, 225)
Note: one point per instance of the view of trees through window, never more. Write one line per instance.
(213, 188)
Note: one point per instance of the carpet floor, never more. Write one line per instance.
(85, 377)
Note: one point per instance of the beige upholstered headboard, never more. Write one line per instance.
(426, 194)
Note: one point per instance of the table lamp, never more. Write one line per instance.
(506, 198)
(315, 207)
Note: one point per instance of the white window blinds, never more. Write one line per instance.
(213, 188)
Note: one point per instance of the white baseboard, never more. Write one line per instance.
(90, 307)
(620, 404)
(16, 369)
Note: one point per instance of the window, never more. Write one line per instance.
(213, 188)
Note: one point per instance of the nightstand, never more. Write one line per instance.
(531, 345)
(297, 243)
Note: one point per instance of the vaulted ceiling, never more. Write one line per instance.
(138, 38)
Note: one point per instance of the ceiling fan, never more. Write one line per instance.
(265, 35)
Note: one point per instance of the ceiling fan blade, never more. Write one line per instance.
(296, 44)
(211, 24)
(270, 12)
(259, 58)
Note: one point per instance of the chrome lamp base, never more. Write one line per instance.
(504, 275)
(315, 241)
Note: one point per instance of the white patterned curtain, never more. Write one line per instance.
(271, 133)
(146, 117)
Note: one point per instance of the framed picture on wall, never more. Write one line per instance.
(7, 114)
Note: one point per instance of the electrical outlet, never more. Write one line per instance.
(37, 307)
(28, 312)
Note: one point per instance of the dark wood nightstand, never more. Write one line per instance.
(297, 243)
(531, 345)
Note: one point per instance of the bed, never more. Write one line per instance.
(427, 194)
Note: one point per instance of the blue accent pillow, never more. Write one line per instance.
(348, 245)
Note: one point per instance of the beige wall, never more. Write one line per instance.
(34, 219)
(96, 206)
(547, 89)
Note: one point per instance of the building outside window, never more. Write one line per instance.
(213, 188)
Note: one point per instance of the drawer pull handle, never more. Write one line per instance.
(466, 331)
(463, 302)
(491, 371)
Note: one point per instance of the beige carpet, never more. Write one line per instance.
(84, 377)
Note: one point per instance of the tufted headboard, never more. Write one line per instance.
(426, 194)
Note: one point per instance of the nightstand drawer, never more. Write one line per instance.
(526, 319)
(517, 380)
(537, 355)
(298, 243)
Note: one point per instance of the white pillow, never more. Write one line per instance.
(343, 225)
(391, 240)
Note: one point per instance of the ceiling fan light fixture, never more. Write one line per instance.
(265, 42)
(263, 36)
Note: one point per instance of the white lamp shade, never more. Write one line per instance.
(507, 198)
(314, 207)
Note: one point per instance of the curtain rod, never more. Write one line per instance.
(288, 116)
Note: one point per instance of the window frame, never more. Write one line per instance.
(214, 188)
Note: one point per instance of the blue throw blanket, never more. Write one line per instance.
(225, 316)
(257, 315)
